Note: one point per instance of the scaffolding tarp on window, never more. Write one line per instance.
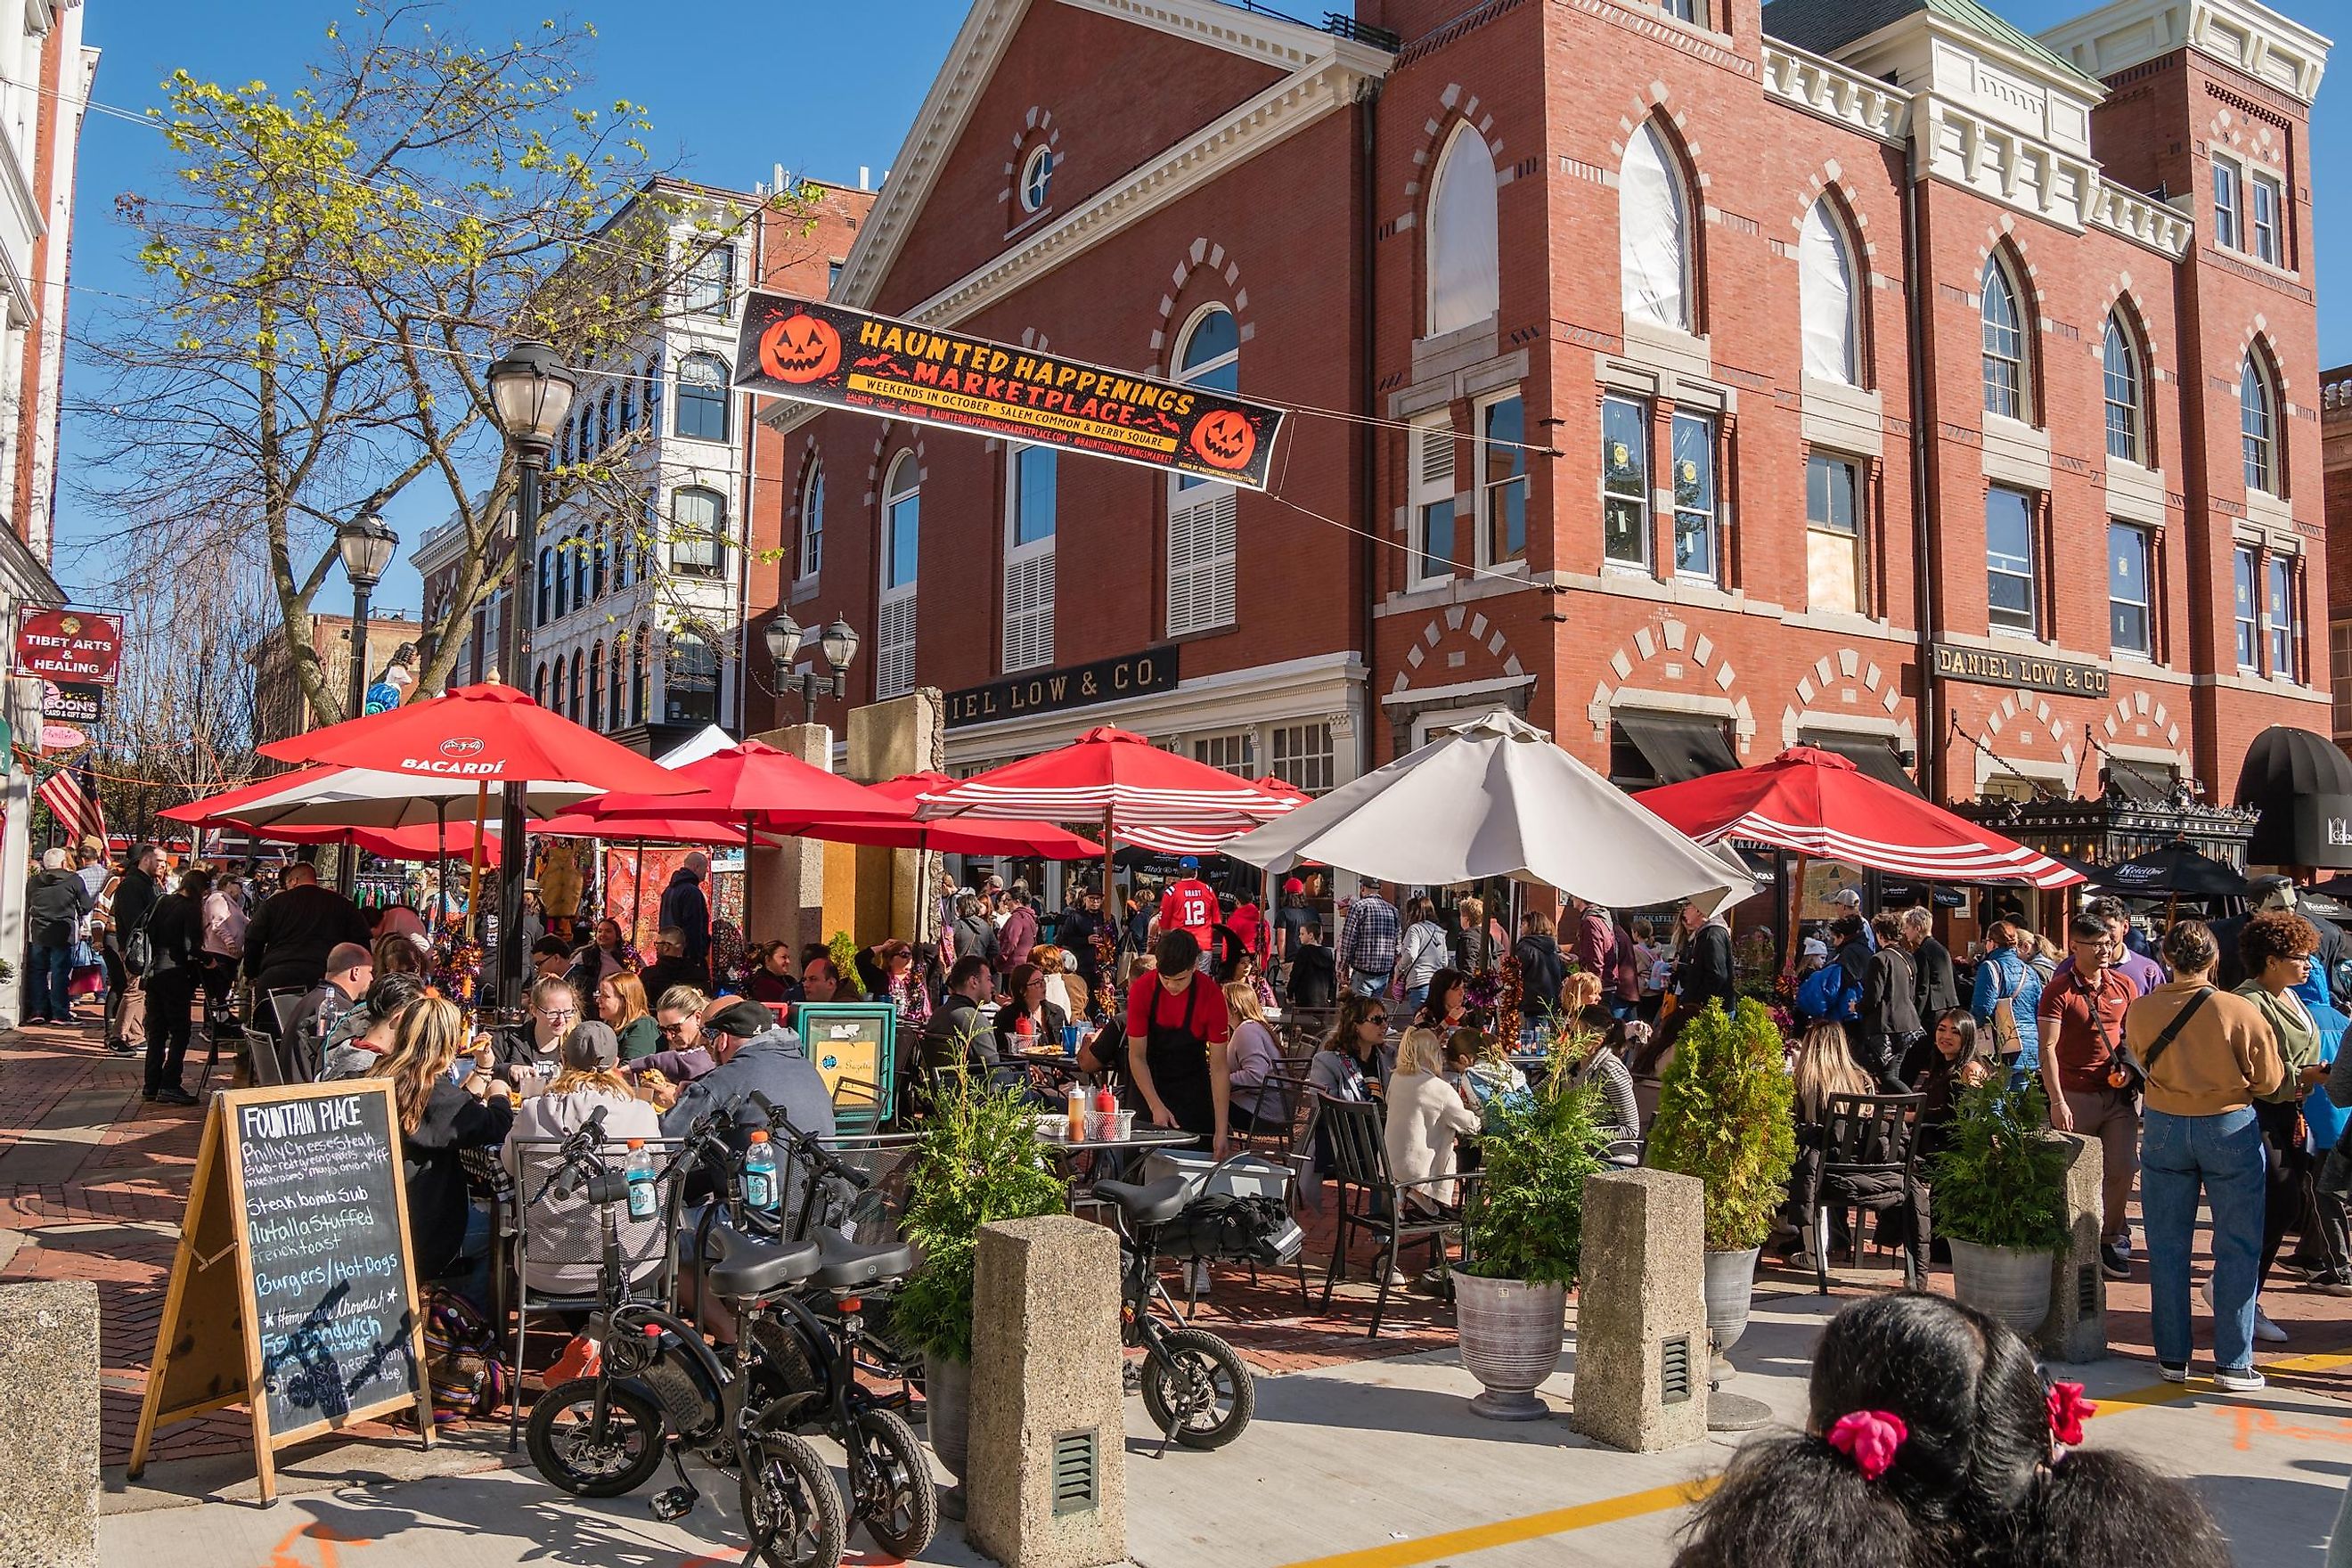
(1825, 297)
(1651, 233)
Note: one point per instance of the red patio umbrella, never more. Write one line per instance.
(418, 842)
(488, 734)
(951, 835)
(751, 785)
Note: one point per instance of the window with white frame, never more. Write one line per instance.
(1204, 515)
(2004, 343)
(2131, 624)
(2011, 599)
(812, 550)
(1691, 11)
(1653, 234)
(697, 533)
(1302, 756)
(710, 283)
(2229, 208)
(1502, 481)
(702, 397)
(690, 680)
(1625, 480)
(1464, 269)
(1698, 518)
(2285, 618)
(902, 520)
(2268, 204)
(2258, 424)
(2121, 382)
(1235, 752)
(1433, 498)
(1825, 297)
(2246, 612)
(1037, 180)
(1834, 534)
(1033, 482)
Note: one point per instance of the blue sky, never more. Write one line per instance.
(735, 89)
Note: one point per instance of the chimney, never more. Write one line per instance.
(779, 186)
(865, 178)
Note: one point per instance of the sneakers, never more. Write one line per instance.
(2331, 1282)
(2113, 1261)
(2172, 1372)
(2242, 1379)
(2270, 1333)
(173, 1094)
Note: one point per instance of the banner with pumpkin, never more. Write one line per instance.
(827, 353)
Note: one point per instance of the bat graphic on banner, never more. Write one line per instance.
(831, 355)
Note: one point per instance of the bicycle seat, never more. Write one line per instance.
(756, 1267)
(1163, 1200)
(846, 1265)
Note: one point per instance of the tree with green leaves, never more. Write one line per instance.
(1724, 1115)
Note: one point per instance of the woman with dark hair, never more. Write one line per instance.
(1932, 1440)
(1948, 1060)
(1542, 970)
(1422, 953)
(175, 939)
(1351, 1064)
(1177, 1016)
(1442, 1007)
(775, 976)
(2276, 946)
(1027, 1022)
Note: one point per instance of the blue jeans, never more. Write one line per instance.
(1415, 995)
(1364, 983)
(46, 975)
(2224, 1155)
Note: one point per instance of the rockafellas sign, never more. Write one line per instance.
(827, 353)
(69, 645)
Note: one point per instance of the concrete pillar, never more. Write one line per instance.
(1641, 1315)
(787, 899)
(48, 1407)
(901, 736)
(1045, 1476)
(2076, 1328)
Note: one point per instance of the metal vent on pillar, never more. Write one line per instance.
(2087, 1289)
(1674, 1370)
(1078, 1473)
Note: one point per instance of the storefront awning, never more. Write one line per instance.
(2300, 783)
(1870, 755)
(2143, 782)
(1678, 747)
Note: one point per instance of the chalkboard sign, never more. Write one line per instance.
(852, 1043)
(292, 1292)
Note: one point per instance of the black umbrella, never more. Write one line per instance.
(2175, 871)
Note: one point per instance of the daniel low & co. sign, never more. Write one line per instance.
(2024, 671)
(1073, 686)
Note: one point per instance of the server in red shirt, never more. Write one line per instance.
(1177, 1027)
(2082, 1026)
(1188, 904)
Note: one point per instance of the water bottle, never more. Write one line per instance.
(641, 1181)
(760, 1174)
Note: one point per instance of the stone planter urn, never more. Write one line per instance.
(1510, 1332)
(946, 1389)
(2003, 1283)
(1728, 1287)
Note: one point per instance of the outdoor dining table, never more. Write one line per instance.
(1119, 1155)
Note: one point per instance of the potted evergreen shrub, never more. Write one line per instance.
(1525, 1222)
(2000, 1187)
(979, 1161)
(1726, 1116)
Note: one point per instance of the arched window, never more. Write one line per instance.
(702, 397)
(653, 395)
(604, 420)
(544, 604)
(690, 680)
(2127, 411)
(555, 687)
(1204, 515)
(2258, 424)
(698, 540)
(599, 560)
(1037, 180)
(579, 697)
(582, 560)
(539, 684)
(1825, 297)
(596, 687)
(812, 554)
(564, 447)
(640, 689)
(902, 533)
(2004, 344)
(628, 406)
(1463, 269)
(616, 694)
(1654, 234)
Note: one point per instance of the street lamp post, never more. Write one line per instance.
(531, 390)
(839, 642)
(366, 545)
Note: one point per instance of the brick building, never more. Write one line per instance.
(1694, 377)
(2336, 457)
(280, 711)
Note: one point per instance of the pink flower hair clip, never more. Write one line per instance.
(2068, 1409)
(1870, 1438)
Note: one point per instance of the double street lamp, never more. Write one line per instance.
(837, 642)
(531, 390)
(366, 546)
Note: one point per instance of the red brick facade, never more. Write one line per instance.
(1319, 244)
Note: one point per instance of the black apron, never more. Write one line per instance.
(1178, 1058)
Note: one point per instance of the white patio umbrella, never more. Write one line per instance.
(708, 742)
(1497, 798)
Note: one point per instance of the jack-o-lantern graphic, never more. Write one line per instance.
(800, 349)
(1224, 440)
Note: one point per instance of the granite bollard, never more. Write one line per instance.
(1641, 1314)
(48, 1407)
(2076, 1328)
(1046, 1481)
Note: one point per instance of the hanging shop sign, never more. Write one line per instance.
(69, 645)
(1073, 686)
(820, 352)
(2024, 672)
(73, 702)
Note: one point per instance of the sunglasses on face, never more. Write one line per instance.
(666, 1030)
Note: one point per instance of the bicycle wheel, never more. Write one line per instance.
(898, 1504)
(789, 1488)
(1196, 1388)
(567, 1448)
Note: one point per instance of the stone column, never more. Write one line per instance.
(49, 1406)
(1045, 1478)
(2076, 1328)
(1641, 1315)
(899, 735)
(787, 897)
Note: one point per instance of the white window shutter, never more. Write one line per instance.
(1029, 610)
(1433, 465)
(894, 659)
(1200, 552)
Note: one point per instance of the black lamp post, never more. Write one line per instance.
(366, 545)
(531, 390)
(839, 642)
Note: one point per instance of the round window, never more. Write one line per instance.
(1036, 180)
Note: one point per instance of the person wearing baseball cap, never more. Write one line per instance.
(569, 1227)
(1189, 905)
(756, 1054)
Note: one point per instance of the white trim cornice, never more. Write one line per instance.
(2243, 34)
(1824, 88)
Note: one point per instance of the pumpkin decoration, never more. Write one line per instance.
(800, 349)
(1225, 439)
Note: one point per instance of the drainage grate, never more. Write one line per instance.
(1674, 1370)
(1078, 1473)
(2087, 1289)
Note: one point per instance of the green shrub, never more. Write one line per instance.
(1725, 1116)
(1526, 1212)
(842, 950)
(2002, 1180)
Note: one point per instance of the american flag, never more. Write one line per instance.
(74, 803)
